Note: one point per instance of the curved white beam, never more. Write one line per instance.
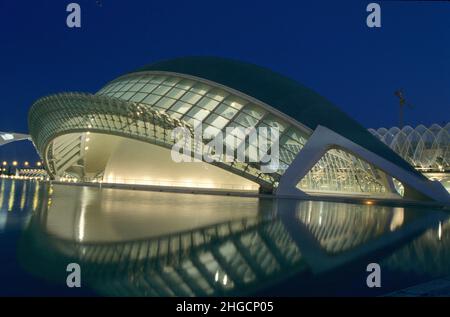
(324, 139)
(8, 137)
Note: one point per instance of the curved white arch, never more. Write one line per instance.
(8, 137)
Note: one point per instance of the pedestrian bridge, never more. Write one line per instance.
(8, 137)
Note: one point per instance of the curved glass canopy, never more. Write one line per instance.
(147, 106)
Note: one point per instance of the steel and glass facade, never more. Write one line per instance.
(146, 105)
(427, 149)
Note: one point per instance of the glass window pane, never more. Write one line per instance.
(217, 121)
(185, 84)
(207, 103)
(175, 114)
(210, 132)
(246, 120)
(118, 94)
(151, 99)
(136, 87)
(171, 81)
(138, 97)
(165, 103)
(198, 113)
(119, 87)
(217, 94)
(133, 81)
(161, 90)
(297, 135)
(191, 97)
(148, 88)
(181, 107)
(235, 102)
(200, 88)
(176, 93)
(254, 111)
(272, 121)
(127, 87)
(193, 122)
(127, 95)
(226, 111)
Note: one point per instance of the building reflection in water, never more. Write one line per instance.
(161, 244)
(15, 201)
(430, 253)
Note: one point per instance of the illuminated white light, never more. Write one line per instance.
(216, 277)
(225, 279)
(7, 136)
(86, 148)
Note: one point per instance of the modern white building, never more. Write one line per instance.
(123, 134)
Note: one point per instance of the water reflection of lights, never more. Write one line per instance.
(2, 193)
(397, 218)
(219, 258)
(23, 196)
(82, 221)
(12, 192)
(15, 196)
(440, 231)
(36, 196)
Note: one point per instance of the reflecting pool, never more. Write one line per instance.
(138, 243)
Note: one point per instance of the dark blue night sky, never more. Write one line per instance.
(324, 45)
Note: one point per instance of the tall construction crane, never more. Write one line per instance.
(402, 104)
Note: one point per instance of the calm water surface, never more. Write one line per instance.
(136, 243)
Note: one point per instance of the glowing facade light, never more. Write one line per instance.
(14, 163)
(38, 163)
(26, 163)
(216, 277)
(5, 163)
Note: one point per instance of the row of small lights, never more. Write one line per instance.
(15, 163)
(87, 140)
(38, 178)
(68, 180)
